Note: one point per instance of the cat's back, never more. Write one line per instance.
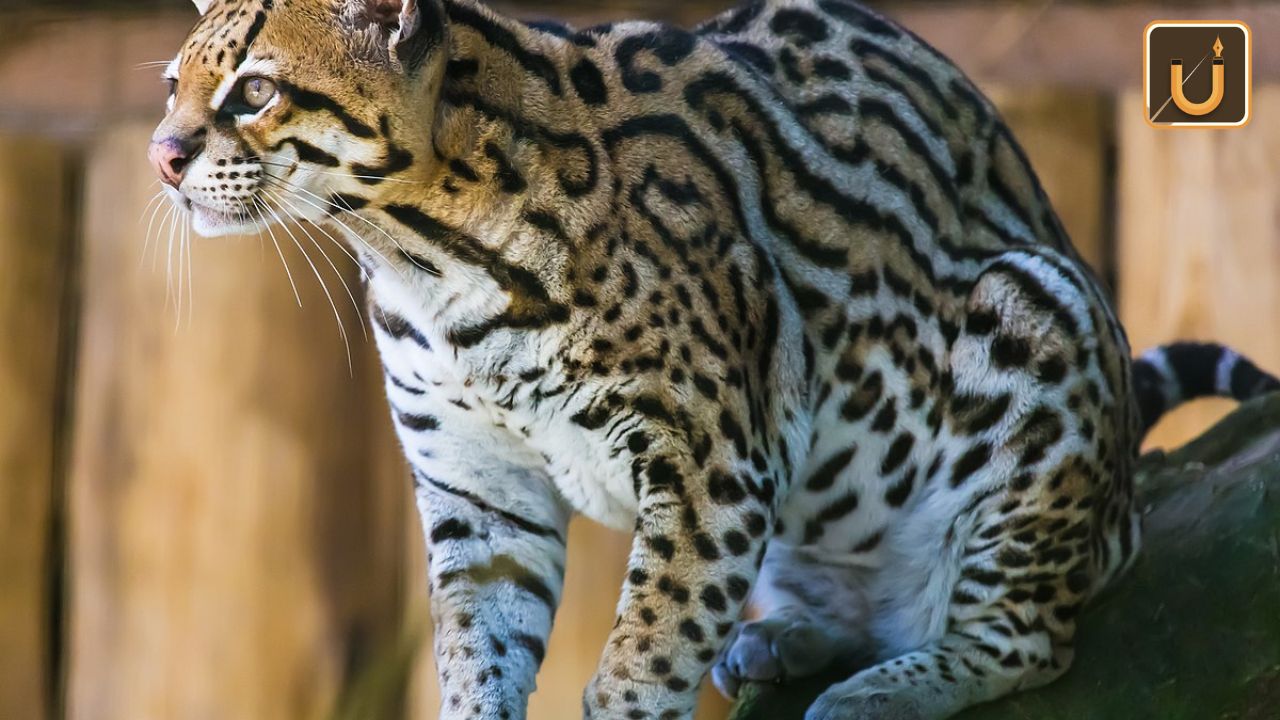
(857, 101)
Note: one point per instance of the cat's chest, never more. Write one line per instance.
(511, 400)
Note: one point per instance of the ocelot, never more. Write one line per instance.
(781, 295)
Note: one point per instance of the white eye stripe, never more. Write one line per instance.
(220, 94)
(241, 119)
(170, 75)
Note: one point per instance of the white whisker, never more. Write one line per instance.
(146, 240)
(287, 186)
(182, 277)
(285, 196)
(168, 262)
(361, 218)
(258, 222)
(260, 205)
(184, 270)
(350, 296)
(159, 194)
(342, 328)
(191, 273)
(155, 248)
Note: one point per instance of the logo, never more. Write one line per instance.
(1197, 74)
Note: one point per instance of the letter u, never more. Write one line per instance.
(1198, 108)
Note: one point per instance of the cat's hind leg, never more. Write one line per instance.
(1028, 512)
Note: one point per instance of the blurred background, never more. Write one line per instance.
(203, 512)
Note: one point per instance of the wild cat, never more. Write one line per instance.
(780, 294)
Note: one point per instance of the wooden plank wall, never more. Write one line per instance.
(1199, 240)
(242, 540)
(34, 254)
(238, 523)
(1067, 136)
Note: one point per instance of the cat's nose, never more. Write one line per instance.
(171, 156)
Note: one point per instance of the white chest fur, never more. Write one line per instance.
(507, 397)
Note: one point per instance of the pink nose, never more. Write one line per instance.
(170, 158)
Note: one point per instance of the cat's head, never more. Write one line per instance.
(284, 107)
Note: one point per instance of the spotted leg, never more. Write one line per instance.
(495, 529)
(495, 532)
(496, 577)
(699, 538)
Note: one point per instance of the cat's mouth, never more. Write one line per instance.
(215, 222)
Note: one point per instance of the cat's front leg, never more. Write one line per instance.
(699, 537)
(495, 531)
(496, 577)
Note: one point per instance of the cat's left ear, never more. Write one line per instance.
(416, 27)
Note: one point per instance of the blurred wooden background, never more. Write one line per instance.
(204, 516)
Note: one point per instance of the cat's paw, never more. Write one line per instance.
(773, 650)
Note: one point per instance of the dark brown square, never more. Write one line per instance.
(1192, 45)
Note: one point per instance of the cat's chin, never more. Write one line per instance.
(213, 223)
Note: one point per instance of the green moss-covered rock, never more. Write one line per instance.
(1193, 632)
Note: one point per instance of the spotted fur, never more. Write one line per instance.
(780, 295)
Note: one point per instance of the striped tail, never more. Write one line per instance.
(1169, 375)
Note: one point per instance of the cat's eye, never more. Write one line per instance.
(257, 92)
(172, 84)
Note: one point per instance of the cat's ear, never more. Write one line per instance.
(415, 27)
(202, 5)
(389, 13)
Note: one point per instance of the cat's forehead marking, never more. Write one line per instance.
(223, 36)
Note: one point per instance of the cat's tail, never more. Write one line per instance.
(1169, 375)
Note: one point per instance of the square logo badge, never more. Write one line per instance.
(1197, 74)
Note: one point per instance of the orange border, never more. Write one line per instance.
(1146, 76)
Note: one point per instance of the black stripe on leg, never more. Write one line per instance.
(450, 529)
(534, 645)
(503, 568)
(535, 587)
(528, 526)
